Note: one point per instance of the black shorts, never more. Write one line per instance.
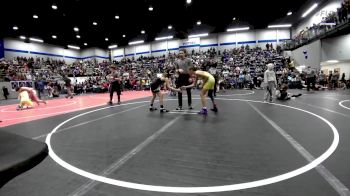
(115, 89)
(155, 90)
(183, 80)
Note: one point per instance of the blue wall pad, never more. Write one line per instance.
(2, 49)
(190, 46)
(266, 41)
(228, 43)
(247, 42)
(155, 51)
(13, 50)
(142, 53)
(209, 45)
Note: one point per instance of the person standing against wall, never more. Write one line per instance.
(335, 78)
(182, 65)
(5, 92)
(40, 85)
(321, 78)
(310, 78)
(68, 86)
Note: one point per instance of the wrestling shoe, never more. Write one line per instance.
(163, 110)
(19, 108)
(215, 109)
(203, 112)
(152, 108)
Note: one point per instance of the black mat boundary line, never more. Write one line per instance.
(21, 166)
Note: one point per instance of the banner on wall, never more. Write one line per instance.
(2, 49)
(15, 84)
(191, 41)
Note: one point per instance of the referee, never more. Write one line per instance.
(182, 65)
(115, 84)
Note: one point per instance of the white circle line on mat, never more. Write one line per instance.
(209, 189)
(343, 106)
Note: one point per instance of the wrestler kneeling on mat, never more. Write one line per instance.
(24, 101)
(155, 88)
(31, 93)
(208, 87)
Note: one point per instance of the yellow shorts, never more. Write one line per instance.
(210, 84)
(26, 103)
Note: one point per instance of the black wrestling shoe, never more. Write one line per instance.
(152, 108)
(163, 110)
(110, 103)
(179, 108)
(190, 107)
(215, 109)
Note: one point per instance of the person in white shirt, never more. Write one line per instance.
(270, 82)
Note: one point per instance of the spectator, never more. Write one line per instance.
(5, 92)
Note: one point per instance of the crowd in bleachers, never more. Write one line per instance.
(330, 21)
(236, 68)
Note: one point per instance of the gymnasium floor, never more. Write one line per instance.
(249, 148)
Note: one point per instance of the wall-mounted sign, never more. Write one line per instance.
(324, 12)
(15, 84)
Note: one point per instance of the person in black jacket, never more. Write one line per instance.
(5, 92)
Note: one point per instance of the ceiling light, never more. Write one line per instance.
(199, 22)
(74, 47)
(170, 27)
(280, 26)
(76, 29)
(22, 37)
(106, 39)
(333, 61)
(54, 7)
(112, 46)
(136, 42)
(124, 35)
(164, 38)
(143, 32)
(35, 16)
(54, 36)
(94, 23)
(85, 44)
(116, 17)
(310, 10)
(15, 28)
(36, 40)
(199, 35)
(289, 13)
(78, 36)
(234, 18)
(188, 1)
(238, 29)
(150, 8)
